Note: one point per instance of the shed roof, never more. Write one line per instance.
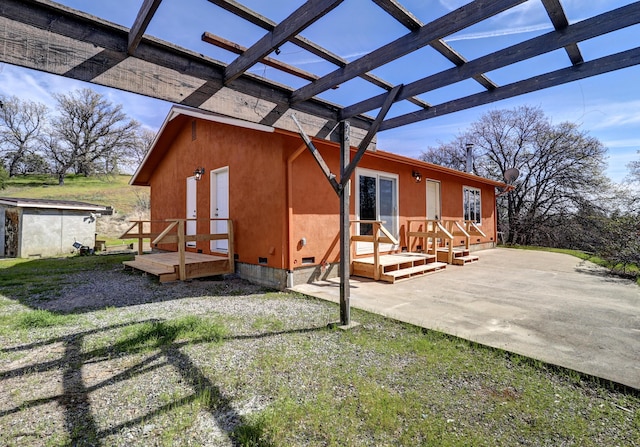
(50, 204)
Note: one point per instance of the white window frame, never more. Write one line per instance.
(367, 247)
(467, 193)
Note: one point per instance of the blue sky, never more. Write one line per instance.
(607, 106)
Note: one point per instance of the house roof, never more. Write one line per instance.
(50, 204)
(172, 123)
(176, 118)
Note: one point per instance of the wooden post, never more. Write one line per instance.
(232, 256)
(140, 226)
(376, 251)
(182, 271)
(345, 227)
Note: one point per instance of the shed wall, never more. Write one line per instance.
(49, 232)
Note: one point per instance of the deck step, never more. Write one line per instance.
(462, 260)
(410, 272)
(164, 273)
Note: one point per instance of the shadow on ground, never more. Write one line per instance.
(79, 284)
(74, 398)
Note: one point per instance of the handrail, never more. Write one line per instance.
(141, 234)
(180, 238)
(433, 229)
(473, 228)
(376, 239)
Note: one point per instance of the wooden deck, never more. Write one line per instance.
(395, 267)
(461, 256)
(166, 265)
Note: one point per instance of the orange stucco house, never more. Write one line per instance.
(285, 214)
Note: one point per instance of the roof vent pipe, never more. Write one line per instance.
(470, 157)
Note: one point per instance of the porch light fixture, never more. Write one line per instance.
(417, 176)
(198, 173)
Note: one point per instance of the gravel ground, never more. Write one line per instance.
(56, 380)
(78, 383)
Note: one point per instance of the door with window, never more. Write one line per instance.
(192, 208)
(376, 199)
(219, 207)
(433, 200)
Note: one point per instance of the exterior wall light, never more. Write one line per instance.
(417, 176)
(198, 173)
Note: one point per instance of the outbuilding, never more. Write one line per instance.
(285, 214)
(34, 228)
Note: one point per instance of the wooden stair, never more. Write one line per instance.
(396, 267)
(166, 265)
(461, 255)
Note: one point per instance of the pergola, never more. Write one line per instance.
(49, 37)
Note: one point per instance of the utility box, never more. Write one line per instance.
(32, 228)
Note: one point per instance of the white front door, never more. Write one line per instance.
(219, 207)
(192, 208)
(433, 200)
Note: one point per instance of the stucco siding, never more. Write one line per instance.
(53, 232)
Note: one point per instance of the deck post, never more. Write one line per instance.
(182, 271)
(140, 240)
(345, 226)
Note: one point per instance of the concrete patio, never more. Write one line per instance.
(548, 306)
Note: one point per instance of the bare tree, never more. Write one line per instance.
(21, 126)
(92, 134)
(559, 166)
(146, 137)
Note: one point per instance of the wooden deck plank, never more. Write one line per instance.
(165, 265)
(386, 260)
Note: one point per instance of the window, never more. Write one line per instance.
(471, 204)
(377, 199)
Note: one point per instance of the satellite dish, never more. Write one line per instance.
(510, 175)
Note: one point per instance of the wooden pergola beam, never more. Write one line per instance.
(604, 23)
(457, 20)
(411, 22)
(45, 36)
(307, 45)
(560, 22)
(147, 10)
(300, 19)
(595, 67)
(239, 49)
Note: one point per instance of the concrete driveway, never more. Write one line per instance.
(548, 306)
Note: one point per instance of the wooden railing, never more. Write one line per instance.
(380, 235)
(432, 233)
(472, 228)
(174, 233)
(435, 233)
(143, 231)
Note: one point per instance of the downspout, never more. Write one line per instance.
(290, 244)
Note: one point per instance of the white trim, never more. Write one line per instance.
(472, 188)
(51, 205)
(214, 226)
(367, 247)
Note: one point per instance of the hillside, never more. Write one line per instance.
(128, 202)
